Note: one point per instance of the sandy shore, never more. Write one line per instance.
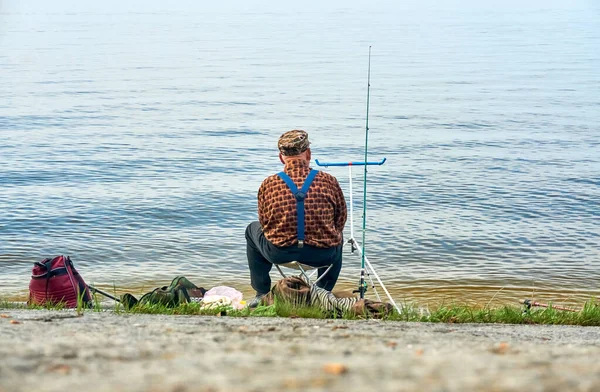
(58, 351)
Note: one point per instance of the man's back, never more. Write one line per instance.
(274, 238)
(325, 208)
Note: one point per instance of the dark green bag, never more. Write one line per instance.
(178, 292)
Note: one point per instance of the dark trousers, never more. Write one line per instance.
(262, 255)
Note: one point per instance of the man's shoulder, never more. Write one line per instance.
(272, 178)
(327, 177)
(269, 182)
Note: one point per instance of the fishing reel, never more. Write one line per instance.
(353, 247)
(526, 306)
(362, 290)
(362, 286)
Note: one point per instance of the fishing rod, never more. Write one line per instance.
(95, 290)
(362, 286)
(529, 303)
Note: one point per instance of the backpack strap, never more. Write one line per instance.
(300, 195)
(47, 264)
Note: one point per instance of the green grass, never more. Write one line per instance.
(589, 315)
(279, 309)
(4, 304)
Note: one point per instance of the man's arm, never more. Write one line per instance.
(341, 212)
(261, 204)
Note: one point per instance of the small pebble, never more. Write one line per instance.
(335, 368)
(60, 369)
(501, 348)
(339, 327)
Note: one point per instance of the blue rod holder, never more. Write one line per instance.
(378, 163)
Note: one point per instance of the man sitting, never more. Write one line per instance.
(279, 237)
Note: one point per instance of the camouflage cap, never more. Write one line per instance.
(293, 142)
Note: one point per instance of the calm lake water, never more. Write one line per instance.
(134, 136)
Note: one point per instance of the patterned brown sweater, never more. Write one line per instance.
(325, 208)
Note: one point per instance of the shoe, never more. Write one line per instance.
(256, 300)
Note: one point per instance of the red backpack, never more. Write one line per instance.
(55, 281)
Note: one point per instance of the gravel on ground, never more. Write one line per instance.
(104, 351)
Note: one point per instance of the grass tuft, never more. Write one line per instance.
(4, 304)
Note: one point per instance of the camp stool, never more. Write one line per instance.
(303, 268)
